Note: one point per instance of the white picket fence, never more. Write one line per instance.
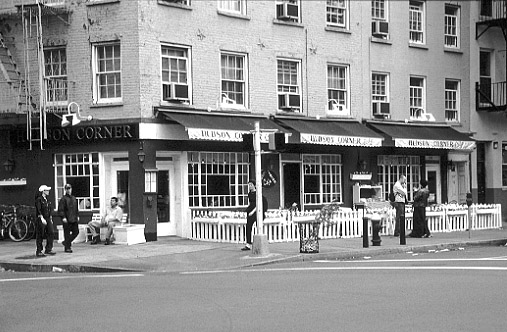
(283, 226)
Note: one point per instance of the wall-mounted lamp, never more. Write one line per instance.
(495, 145)
(9, 165)
(141, 155)
(75, 117)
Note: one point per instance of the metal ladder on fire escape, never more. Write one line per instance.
(36, 114)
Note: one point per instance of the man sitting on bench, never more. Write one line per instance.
(112, 218)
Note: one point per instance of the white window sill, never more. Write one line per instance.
(419, 46)
(175, 5)
(233, 14)
(453, 50)
(332, 28)
(381, 40)
(106, 104)
(288, 23)
(100, 2)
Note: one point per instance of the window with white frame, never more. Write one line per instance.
(417, 97)
(451, 26)
(379, 10)
(233, 77)
(337, 87)
(380, 94)
(322, 179)
(391, 167)
(416, 22)
(81, 170)
(288, 10)
(55, 67)
(337, 13)
(180, 2)
(233, 6)
(218, 179)
(504, 164)
(451, 100)
(175, 73)
(288, 85)
(107, 72)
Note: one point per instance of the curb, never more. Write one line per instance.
(17, 267)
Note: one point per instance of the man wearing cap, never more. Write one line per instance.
(44, 223)
(69, 212)
(111, 219)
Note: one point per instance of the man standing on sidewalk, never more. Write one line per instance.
(400, 196)
(69, 212)
(44, 224)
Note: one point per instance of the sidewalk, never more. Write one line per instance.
(173, 254)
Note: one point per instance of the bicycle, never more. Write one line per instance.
(15, 227)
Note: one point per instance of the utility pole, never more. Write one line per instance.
(260, 240)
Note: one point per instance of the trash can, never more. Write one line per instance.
(309, 236)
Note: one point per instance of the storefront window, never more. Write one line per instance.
(390, 168)
(81, 170)
(322, 178)
(504, 164)
(218, 179)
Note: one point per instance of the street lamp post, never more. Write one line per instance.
(260, 241)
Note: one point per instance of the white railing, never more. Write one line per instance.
(282, 225)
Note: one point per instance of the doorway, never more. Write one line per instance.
(291, 184)
(166, 224)
(433, 178)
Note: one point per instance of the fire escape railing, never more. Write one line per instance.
(491, 96)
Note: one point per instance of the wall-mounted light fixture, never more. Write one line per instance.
(75, 118)
(9, 165)
(141, 155)
(495, 145)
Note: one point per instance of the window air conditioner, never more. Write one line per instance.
(287, 11)
(288, 101)
(173, 91)
(379, 29)
(227, 103)
(380, 108)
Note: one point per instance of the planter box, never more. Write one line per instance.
(129, 234)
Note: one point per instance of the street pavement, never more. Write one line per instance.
(174, 254)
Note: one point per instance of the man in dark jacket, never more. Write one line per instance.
(69, 212)
(44, 224)
(251, 213)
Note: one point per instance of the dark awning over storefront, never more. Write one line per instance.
(331, 132)
(425, 136)
(220, 126)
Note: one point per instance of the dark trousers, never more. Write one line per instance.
(46, 231)
(70, 232)
(400, 212)
(250, 221)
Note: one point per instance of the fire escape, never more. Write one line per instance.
(491, 96)
(26, 86)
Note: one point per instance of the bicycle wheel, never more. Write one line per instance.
(18, 230)
(31, 229)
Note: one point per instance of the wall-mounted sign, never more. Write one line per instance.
(221, 135)
(434, 144)
(340, 140)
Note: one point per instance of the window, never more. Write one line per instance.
(417, 100)
(416, 22)
(379, 24)
(322, 178)
(288, 10)
(218, 179)
(380, 94)
(451, 101)
(55, 67)
(175, 74)
(391, 167)
(234, 6)
(233, 78)
(107, 73)
(288, 85)
(451, 26)
(485, 77)
(337, 88)
(337, 13)
(81, 170)
(504, 164)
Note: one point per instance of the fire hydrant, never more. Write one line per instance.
(375, 225)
